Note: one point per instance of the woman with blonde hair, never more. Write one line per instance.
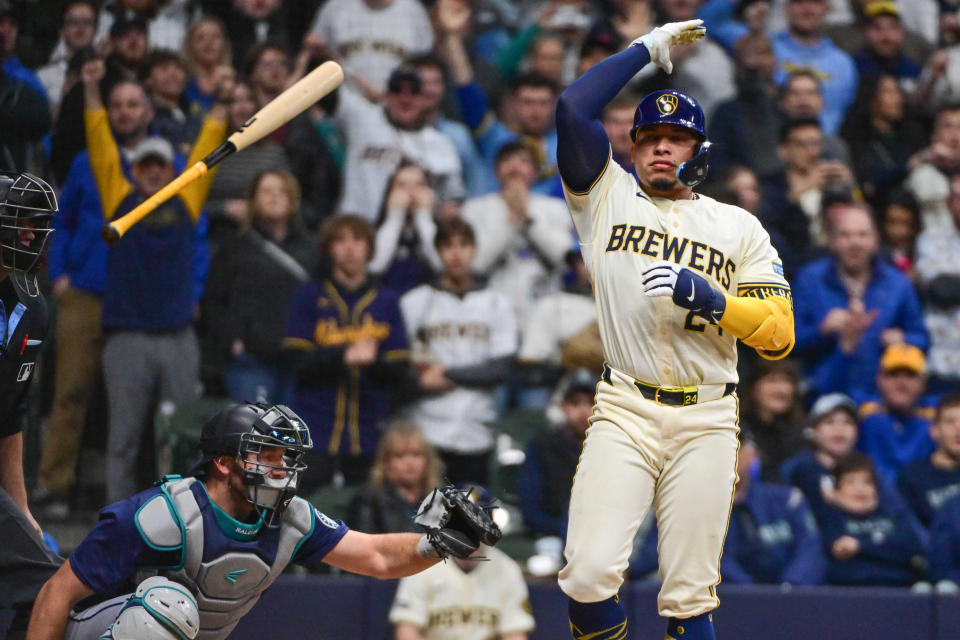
(404, 470)
(206, 54)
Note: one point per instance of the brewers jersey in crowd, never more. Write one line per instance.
(372, 40)
(458, 331)
(375, 148)
(344, 406)
(627, 231)
(447, 603)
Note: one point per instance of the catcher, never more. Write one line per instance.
(190, 556)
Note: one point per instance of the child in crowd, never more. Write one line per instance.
(833, 435)
(869, 541)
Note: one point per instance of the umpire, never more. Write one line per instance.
(27, 205)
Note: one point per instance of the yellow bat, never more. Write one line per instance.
(308, 90)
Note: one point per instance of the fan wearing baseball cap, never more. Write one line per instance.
(832, 432)
(895, 428)
(882, 52)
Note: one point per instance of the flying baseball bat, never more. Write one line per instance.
(308, 90)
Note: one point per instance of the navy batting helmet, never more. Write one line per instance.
(673, 107)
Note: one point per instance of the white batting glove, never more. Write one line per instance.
(659, 41)
(660, 278)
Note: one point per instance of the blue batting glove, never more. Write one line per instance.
(686, 288)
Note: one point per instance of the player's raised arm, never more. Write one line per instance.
(582, 145)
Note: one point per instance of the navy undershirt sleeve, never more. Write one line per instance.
(582, 144)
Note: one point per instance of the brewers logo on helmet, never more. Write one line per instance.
(667, 104)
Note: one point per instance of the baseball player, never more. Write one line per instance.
(678, 278)
(192, 555)
(27, 205)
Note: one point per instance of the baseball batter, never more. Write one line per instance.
(678, 278)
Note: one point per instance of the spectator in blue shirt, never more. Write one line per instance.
(12, 66)
(803, 45)
(773, 537)
(532, 100)
(870, 542)
(944, 552)
(929, 483)
(544, 479)
(833, 435)
(895, 428)
(728, 21)
(852, 304)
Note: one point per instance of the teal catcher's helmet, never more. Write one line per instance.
(674, 107)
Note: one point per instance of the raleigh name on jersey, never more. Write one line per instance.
(623, 231)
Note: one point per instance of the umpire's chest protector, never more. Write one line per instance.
(26, 328)
(233, 576)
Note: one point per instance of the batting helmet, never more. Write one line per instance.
(673, 107)
(27, 205)
(244, 429)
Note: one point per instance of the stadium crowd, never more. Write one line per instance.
(398, 266)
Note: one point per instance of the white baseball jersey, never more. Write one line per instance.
(375, 148)
(623, 231)
(458, 331)
(372, 42)
(522, 264)
(448, 604)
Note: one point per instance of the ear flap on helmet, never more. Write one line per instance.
(694, 171)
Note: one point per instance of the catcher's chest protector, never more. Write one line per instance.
(227, 586)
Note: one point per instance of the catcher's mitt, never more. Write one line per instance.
(455, 524)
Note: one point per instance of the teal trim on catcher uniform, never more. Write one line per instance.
(140, 537)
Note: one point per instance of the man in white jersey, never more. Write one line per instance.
(678, 277)
(372, 37)
(380, 137)
(464, 338)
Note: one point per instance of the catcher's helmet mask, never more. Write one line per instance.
(27, 203)
(680, 110)
(243, 431)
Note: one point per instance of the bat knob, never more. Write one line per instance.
(110, 234)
